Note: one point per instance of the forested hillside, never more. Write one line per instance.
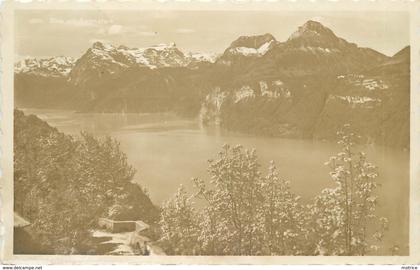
(62, 184)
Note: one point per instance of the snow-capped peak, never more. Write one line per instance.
(109, 47)
(160, 55)
(203, 57)
(155, 56)
(252, 41)
(98, 45)
(249, 51)
(312, 29)
(103, 58)
(163, 46)
(257, 45)
(59, 66)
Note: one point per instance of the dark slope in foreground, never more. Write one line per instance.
(63, 184)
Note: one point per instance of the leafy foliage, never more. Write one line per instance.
(345, 215)
(233, 203)
(179, 225)
(63, 184)
(246, 213)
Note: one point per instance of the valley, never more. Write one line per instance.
(128, 129)
(305, 87)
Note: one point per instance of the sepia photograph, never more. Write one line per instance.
(211, 132)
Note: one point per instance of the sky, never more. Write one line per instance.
(45, 33)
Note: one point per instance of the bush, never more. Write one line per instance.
(246, 213)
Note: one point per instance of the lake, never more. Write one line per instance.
(168, 151)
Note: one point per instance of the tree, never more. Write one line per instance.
(284, 220)
(103, 173)
(179, 225)
(233, 204)
(247, 214)
(344, 219)
(64, 183)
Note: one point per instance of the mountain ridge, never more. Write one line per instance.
(59, 66)
(296, 88)
(310, 38)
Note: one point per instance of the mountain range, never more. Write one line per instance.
(105, 60)
(305, 87)
(51, 67)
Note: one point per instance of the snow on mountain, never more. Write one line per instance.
(260, 51)
(314, 37)
(251, 45)
(54, 67)
(203, 57)
(312, 48)
(102, 60)
(161, 55)
(312, 29)
(105, 59)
